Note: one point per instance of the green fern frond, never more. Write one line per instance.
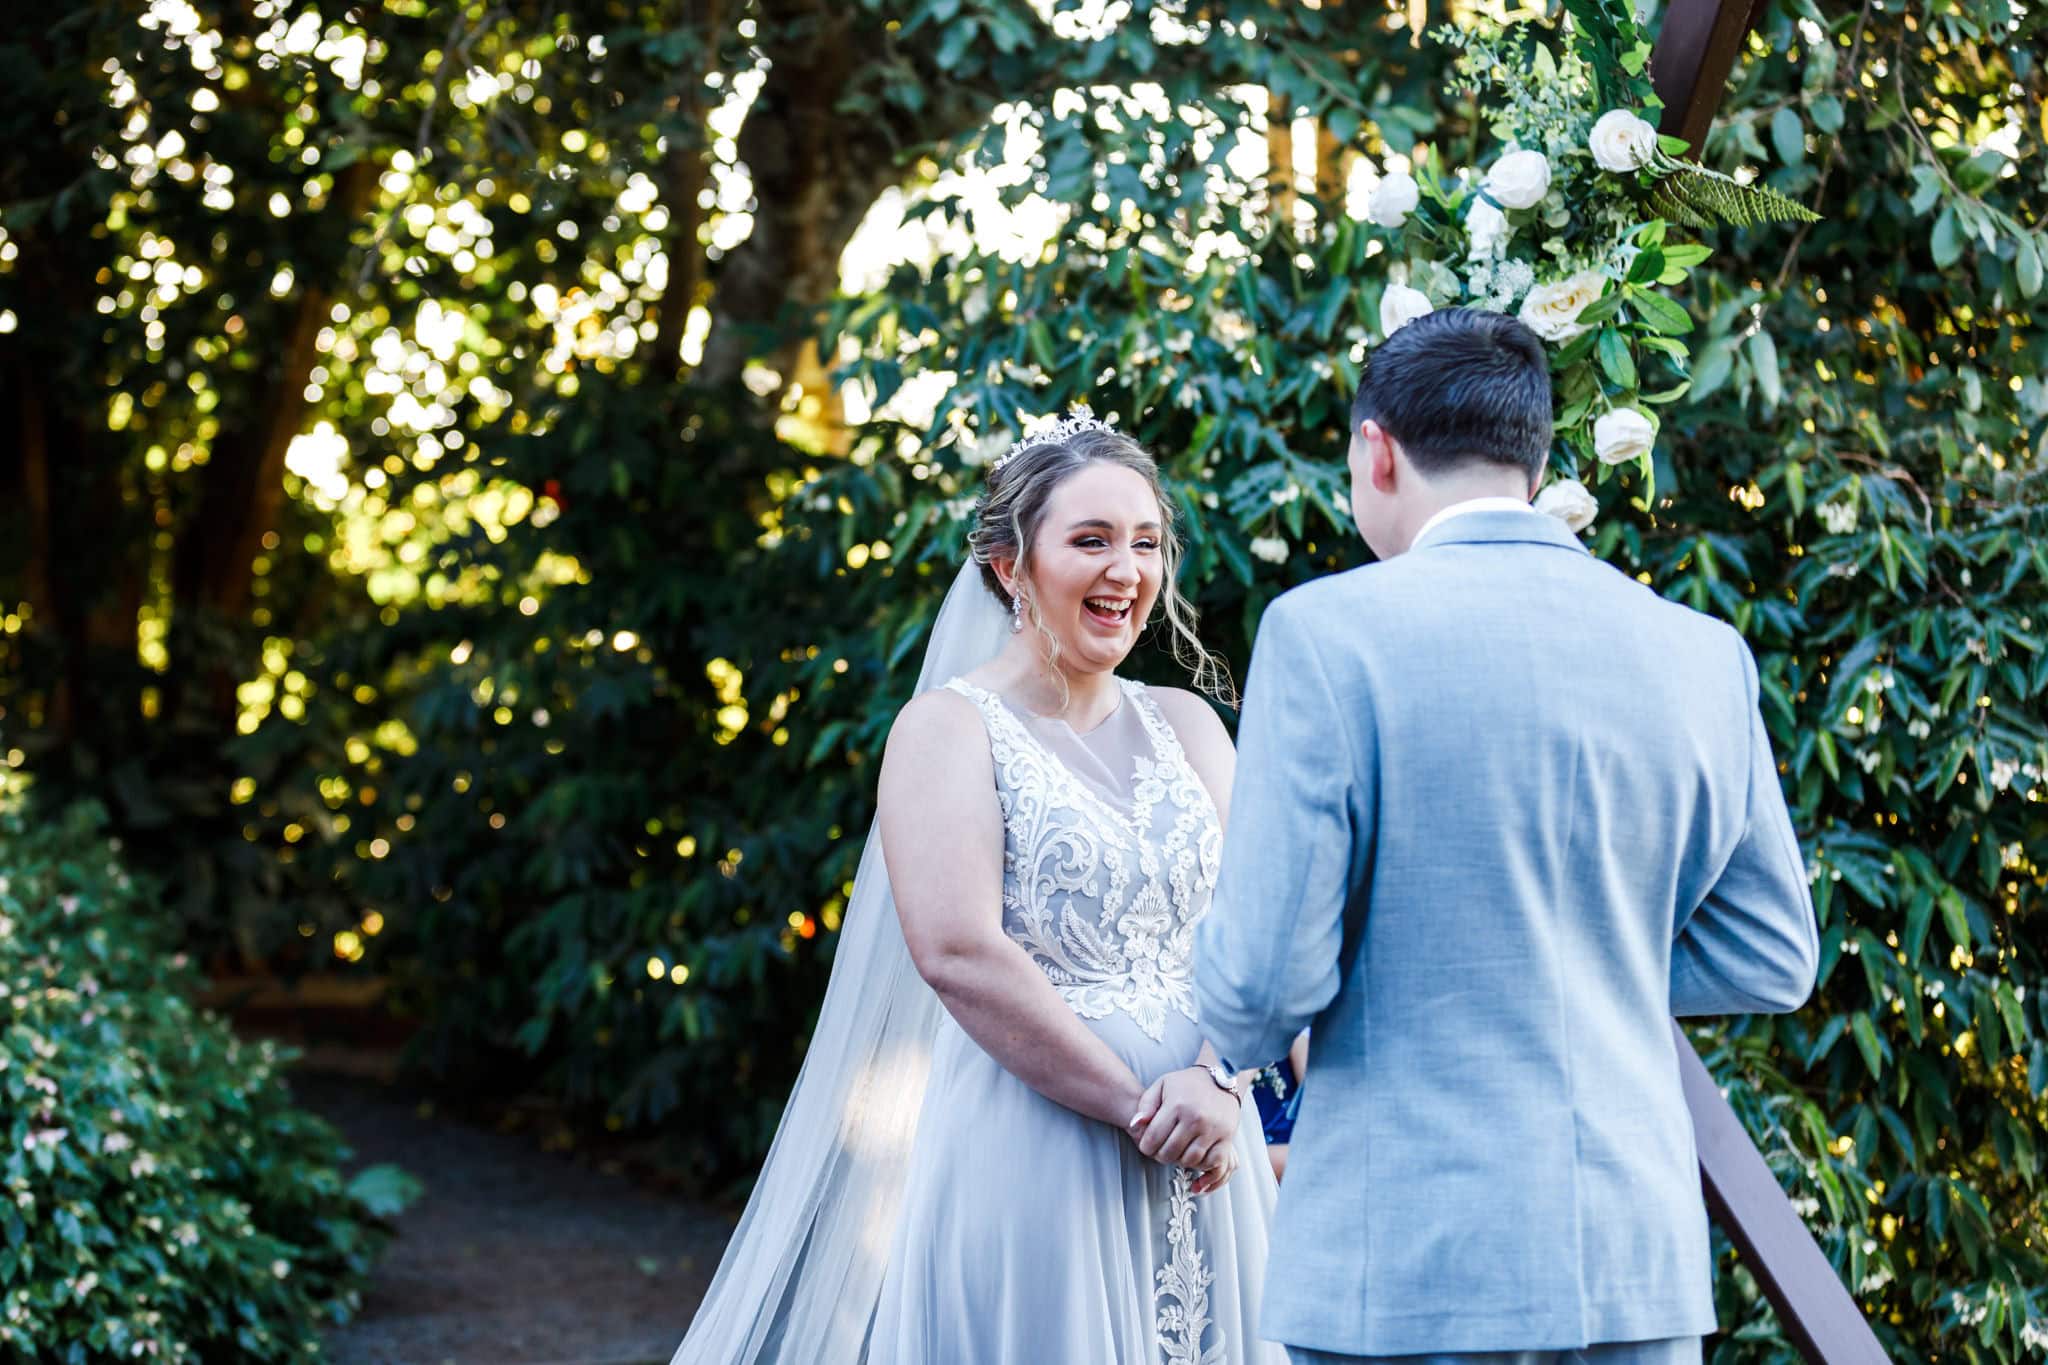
(1672, 207)
(1698, 196)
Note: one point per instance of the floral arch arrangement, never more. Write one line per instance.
(1582, 216)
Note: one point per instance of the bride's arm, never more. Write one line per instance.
(942, 835)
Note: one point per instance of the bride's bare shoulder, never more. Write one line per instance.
(938, 758)
(935, 723)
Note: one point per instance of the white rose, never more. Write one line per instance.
(1272, 549)
(1401, 305)
(1519, 180)
(1486, 228)
(1569, 501)
(1623, 435)
(1622, 142)
(1392, 200)
(1552, 310)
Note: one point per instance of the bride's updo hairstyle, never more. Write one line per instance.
(1007, 522)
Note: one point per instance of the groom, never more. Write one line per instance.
(1500, 811)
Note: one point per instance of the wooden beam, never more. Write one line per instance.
(1695, 50)
(1743, 1197)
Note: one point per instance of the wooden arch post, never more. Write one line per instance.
(1695, 51)
(1745, 1202)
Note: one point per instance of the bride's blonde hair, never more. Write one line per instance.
(1013, 508)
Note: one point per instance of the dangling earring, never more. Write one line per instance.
(1016, 612)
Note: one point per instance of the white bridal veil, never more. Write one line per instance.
(803, 1272)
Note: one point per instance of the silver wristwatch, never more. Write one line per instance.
(1225, 1081)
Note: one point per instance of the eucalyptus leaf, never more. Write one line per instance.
(2027, 264)
(1948, 238)
(1764, 366)
(1713, 367)
(1788, 136)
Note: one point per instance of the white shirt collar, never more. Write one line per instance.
(1459, 509)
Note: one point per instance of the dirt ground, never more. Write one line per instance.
(514, 1255)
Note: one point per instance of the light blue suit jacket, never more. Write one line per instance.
(1500, 812)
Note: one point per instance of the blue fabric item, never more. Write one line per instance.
(1500, 811)
(1278, 1094)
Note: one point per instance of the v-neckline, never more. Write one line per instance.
(1125, 687)
(1123, 699)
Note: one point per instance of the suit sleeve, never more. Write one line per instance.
(1752, 946)
(1267, 953)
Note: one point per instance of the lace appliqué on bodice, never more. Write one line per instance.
(1104, 900)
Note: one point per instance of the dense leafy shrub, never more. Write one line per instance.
(159, 1195)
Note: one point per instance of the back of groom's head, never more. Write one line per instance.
(1458, 387)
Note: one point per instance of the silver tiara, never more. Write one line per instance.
(1079, 418)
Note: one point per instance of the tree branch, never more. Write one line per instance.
(686, 176)
(39, 585)
(243, 493)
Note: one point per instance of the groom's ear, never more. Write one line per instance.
(1380, 450)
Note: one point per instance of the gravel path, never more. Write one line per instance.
(514, 1255)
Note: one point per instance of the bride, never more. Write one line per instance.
(1009, 1142)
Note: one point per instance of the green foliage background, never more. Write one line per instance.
(570, 677)
(159, 1195)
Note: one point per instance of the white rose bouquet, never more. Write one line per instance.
(1575, 217)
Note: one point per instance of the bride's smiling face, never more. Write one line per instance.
(1096, 565)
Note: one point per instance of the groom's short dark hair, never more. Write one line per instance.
(1460, 386)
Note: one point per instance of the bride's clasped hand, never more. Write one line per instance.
(1188, 1118)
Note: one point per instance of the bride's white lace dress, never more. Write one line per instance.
(1029, 1234)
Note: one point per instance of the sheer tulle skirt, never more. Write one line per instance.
(1031, 1235)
